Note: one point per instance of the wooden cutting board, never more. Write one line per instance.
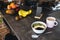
(3, 31)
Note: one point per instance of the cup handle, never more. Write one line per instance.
(56, 23)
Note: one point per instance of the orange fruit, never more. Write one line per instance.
(8, 11)
(8, 7)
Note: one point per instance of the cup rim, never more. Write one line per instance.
(51, 17)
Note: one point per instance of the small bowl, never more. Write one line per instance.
(38, 31)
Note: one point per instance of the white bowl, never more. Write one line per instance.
(38, 31)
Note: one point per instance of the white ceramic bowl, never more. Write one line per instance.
(38, 31)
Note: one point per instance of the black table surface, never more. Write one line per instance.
(23, 31)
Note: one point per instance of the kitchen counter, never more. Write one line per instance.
(23, 30)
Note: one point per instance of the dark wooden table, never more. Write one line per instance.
(23, 31)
